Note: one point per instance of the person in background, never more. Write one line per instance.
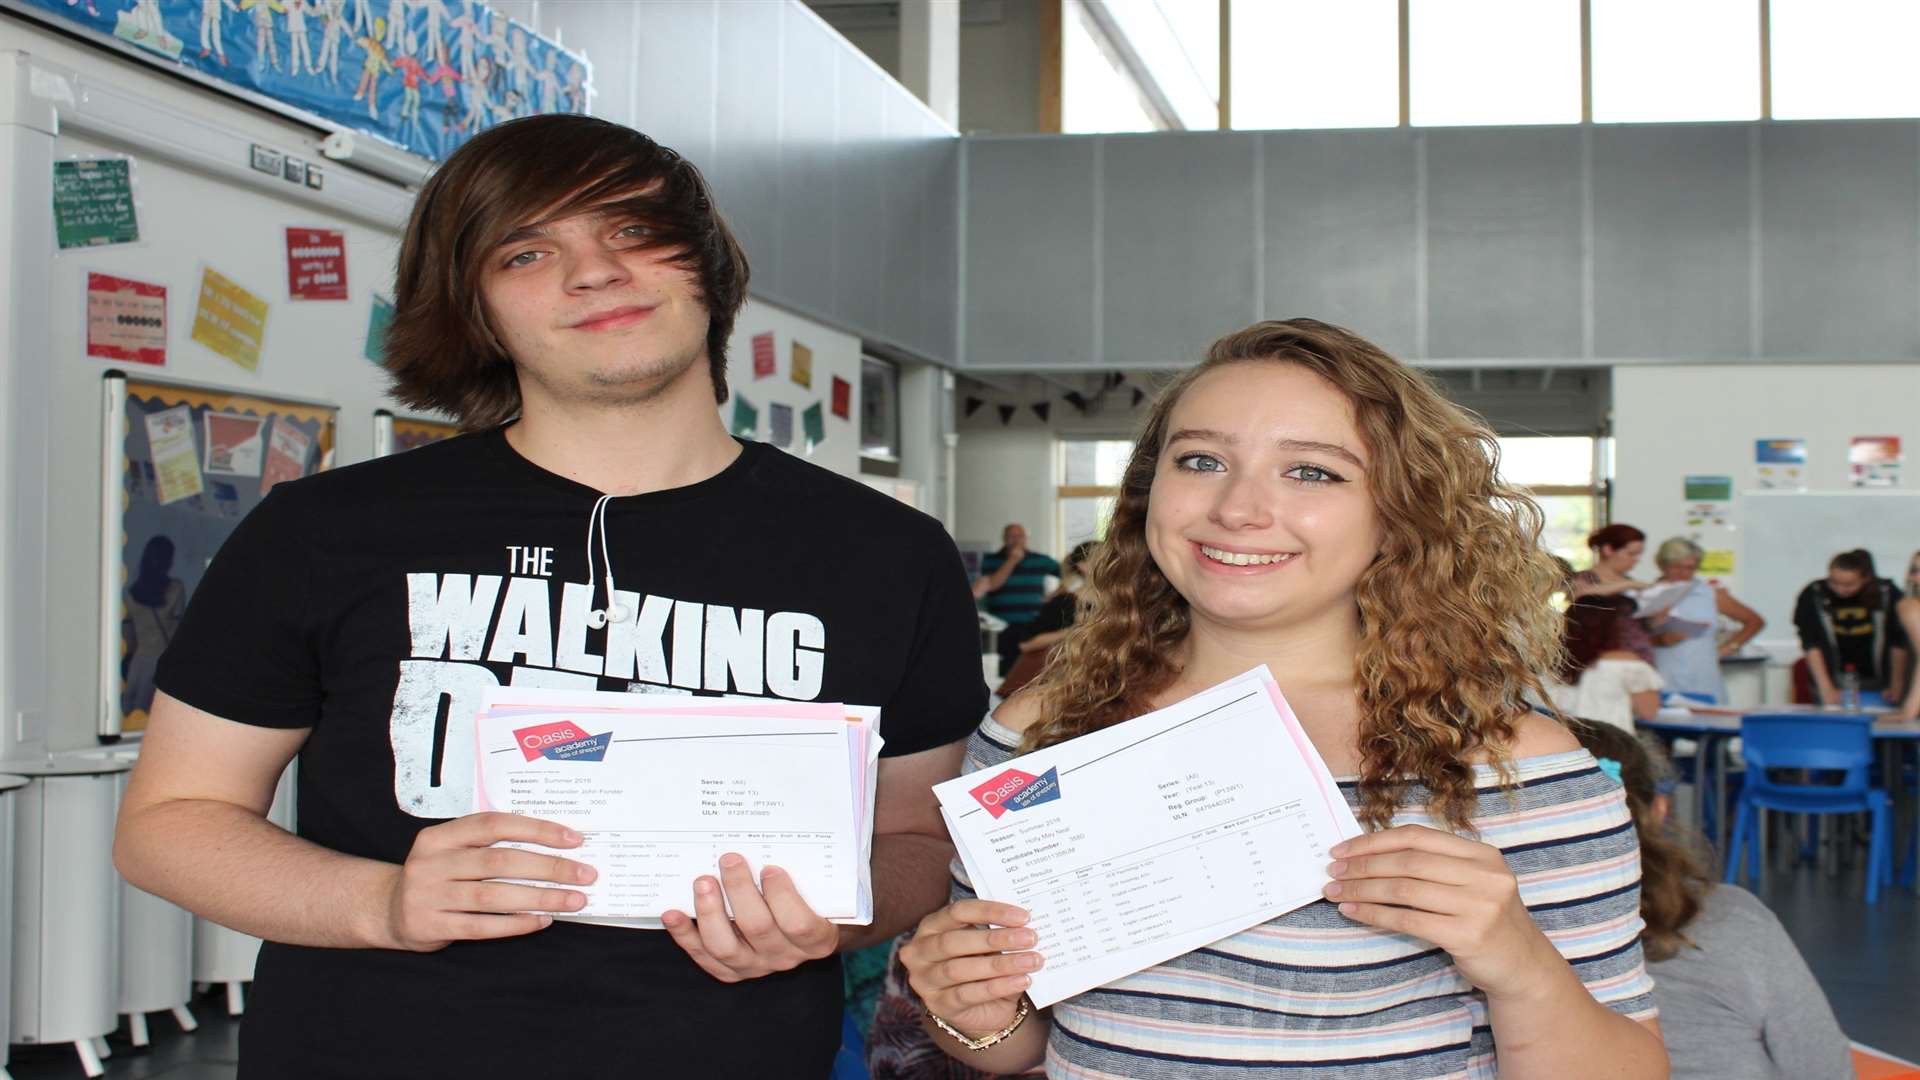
(1848, 620)
(1736, 998)
(1908, 609)
(1601, 680)
(1684, 648)
(1303, 500)
(1013, 582)
(1055, 618)
(1616, 551)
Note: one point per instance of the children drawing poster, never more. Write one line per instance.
(425, 75)
(187, 477)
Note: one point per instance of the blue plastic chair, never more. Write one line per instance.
(1841, 744)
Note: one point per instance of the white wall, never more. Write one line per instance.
(834, 353)
(1004, 477)
(1675, 421)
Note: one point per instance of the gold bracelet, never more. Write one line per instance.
(1019, 1017)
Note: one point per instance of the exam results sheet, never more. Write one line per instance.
(1143, 841)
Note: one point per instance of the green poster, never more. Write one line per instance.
(814, 422)
(377, 323)
(746, 418)
(93, 202)
(1708, 488)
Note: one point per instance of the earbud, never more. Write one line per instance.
(599, 617)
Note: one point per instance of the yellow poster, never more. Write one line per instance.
(230, 320)
(803, 365)
(1718, 561)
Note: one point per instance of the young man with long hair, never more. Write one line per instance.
(566, 289)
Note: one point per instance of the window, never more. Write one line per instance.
(1559, 473)
(1314, 64)
(1494, 61)
(1844, 58)
(879, 417)
(1096, 92)
(1090, 472)
(1656, 60)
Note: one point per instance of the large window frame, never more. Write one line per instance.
(1051, 90)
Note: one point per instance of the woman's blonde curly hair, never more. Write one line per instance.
(1455, 623)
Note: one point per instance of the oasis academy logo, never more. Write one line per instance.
(564, 741)
(1016, 790)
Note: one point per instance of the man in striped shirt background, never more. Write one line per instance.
(1013, 582)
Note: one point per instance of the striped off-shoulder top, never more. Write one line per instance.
(1313, 994)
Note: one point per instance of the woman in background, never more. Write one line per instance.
(1684, 647)
(1616, 551)
(1601, 680)
(1848, 621)
(1736, 998)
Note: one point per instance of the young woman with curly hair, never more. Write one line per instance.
(1302, 500)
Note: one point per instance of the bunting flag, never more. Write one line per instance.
(1006, 414)
(1076, 399)
(1041, 409)
(973, 405)
(1115, 378)
(1139, 396)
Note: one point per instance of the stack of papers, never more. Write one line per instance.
(660, 787)
(1659, 597)
(1151, 838)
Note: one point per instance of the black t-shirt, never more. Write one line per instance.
(374, 603)
(1855, 631)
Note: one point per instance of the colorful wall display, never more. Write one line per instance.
(1874, 461)
(1780, 464)
(195, 461)
(230, 320)
(126, 320)
(316, 264)
(93, 203)
(423, 74)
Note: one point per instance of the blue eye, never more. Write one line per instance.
(525, 258)
(635, 232)
(1314, 474)
(1200, 463)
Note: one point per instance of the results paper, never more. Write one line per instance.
(660, 793)
(1149, 839)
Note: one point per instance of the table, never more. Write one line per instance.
(1714, 725)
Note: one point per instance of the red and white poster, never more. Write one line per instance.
(287, 450)
(842, 398)
(763, 361)
(126, 320)
(316, 264)
(235, 444)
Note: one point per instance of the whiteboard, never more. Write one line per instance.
(1790, 536)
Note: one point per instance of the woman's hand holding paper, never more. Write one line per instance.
(959, 963)
(1457, 893)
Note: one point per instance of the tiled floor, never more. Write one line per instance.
(1866, 958)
